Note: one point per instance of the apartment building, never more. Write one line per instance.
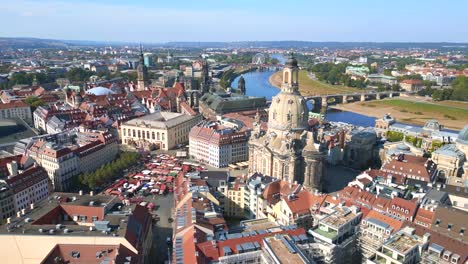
(218, 145)
(374, 230)
(15, 109)
(7, 203)
(67, 154)
(73, 228)
(29, 186)
(403, 247)
(275, 244)
(335, 234)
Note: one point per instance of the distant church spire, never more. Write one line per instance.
(142, 71)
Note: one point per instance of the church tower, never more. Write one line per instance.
(314, 164)
(35, 82)
(241, 86)
(205, 77)
(287, 149)
(142, 71)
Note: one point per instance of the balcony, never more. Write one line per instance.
(387, 252)
(376, 259)
(325, 235)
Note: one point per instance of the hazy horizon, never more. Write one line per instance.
(235, 21)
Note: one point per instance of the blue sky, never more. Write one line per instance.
(236, 20)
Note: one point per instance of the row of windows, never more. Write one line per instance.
(142, 134)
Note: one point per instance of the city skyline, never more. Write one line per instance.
(210, 20)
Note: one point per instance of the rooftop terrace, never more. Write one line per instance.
(339, 217)
(401, 242)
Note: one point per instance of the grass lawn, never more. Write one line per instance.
(428, 110)
(459, 104)
(309, 87)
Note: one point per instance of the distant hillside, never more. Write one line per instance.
(36, 43)
(30, 43)
(310, 44)
(52, 43)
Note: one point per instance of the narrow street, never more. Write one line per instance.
(162, 229)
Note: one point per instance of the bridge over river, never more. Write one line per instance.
(322, 101)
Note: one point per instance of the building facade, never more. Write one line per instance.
(15, 109)
(217, 145)
(161, 130)
(29, 187)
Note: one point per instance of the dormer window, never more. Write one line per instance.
(446, 255)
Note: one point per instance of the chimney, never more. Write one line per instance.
(81, 192)
(23, 211)
(8, 220)
(32, 206)
(426, 237)
(18, 214)
(12, 168)
(91, 193)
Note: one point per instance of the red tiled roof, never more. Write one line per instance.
(393, 222)
(212, 251)
(13, 104)
(424, 216)
(402, 207)
(409, 167)
(448, 243)
(27, 178)
(304, 202)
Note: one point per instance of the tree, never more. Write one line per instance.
(34, 102)
(394, 136)
(460, 88)
(388, 72)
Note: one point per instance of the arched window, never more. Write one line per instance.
(286, 77)
(286, 172)
(157, 135)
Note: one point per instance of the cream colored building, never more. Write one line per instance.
(164, 130)
(15, 109)
(287, 150)
(233, 194)
(451, 160)
(64, 155)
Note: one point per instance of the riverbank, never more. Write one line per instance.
(229, 76)
(409, 111)
(309, 87)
